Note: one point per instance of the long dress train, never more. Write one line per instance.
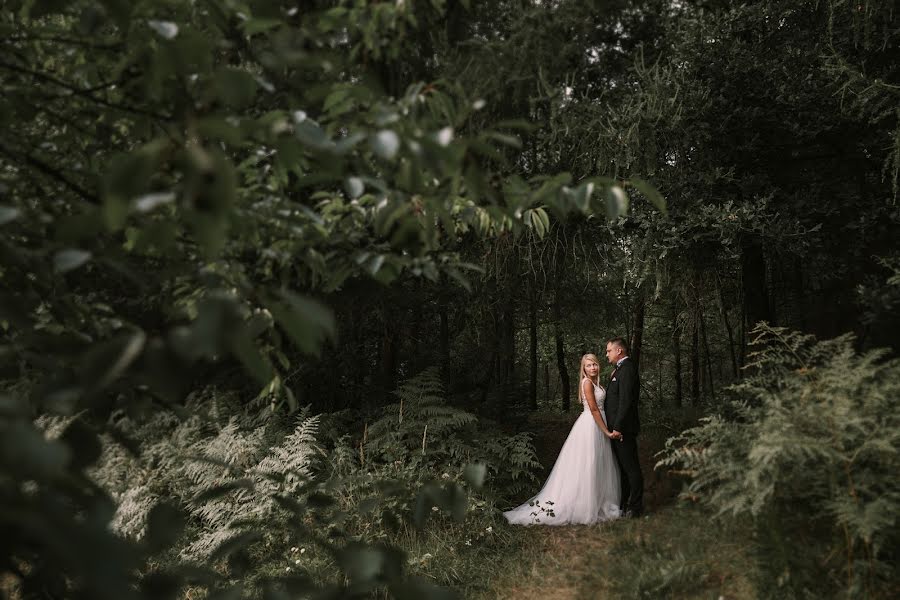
(584, 484)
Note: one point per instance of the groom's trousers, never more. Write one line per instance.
(630, 467)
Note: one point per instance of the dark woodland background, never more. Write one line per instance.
(318, 275)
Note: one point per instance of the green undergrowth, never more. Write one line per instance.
(677, 552)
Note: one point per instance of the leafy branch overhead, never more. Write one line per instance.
(234, 165)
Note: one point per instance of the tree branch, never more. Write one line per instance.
(85, 92)
(46, 169)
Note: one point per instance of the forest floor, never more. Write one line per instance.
(674, 551)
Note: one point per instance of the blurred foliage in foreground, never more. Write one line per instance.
(183, 183)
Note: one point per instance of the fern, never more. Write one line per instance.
(420, 416)
(234, 461)
(422, 431)
(812, 451)
(422, 443)
(226, 473)
(511, 461)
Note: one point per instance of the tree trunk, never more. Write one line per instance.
(546, 382)
(753, 279)
(637, 338)
(532, 351)
(695, 365)
(509, 348)
(504, 348)
(723, 309)
(709, 375)
(560, 353)
(676, 351)
(415, 332)
(388, 357)
(444, 341)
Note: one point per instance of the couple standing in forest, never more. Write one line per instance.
(597, 476)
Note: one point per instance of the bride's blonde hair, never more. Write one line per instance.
(593, 357)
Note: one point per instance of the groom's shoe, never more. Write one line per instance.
(634, 514)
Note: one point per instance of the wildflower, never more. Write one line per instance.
(489, 529)
(434, 509)
(293, 548)
(288, 569)
(302, 550)
(297, 562)
(468, 542)
(445, 476)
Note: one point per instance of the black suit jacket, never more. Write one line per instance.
(622, 399)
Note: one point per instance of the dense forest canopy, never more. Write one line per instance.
(316, 267)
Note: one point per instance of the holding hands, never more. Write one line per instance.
(615, 435)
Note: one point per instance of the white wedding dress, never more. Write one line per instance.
(584, 483)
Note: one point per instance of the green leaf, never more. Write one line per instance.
(236, 543)
(307, 322)
(385, 143)
(191, 52)
(246, 351)
(354, 187)
(336, 97)
(25, 451)
(534, 221)
(459, 278)
(313, 136)
(127, 177)
(451, 498)
(8, 214)
(373, 265)
(363, 565)
(220, 129)
(651, 194)
(258, 25)
(235, 87)
(544, 218)
(84, 444)
(217, 491)
(120, 10)
(41, 8)
(106, 362)
(616, 202)
(581, 195)
(166, 29)
(149, 202)
(346, 144)
(475, 475)
(70, 259)
(164, 526)
(505, 139)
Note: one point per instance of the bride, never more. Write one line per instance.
(583, 487)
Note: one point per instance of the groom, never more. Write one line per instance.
(622, 414)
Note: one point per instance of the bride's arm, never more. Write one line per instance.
(588, 390)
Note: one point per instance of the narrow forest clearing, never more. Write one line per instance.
(674, 551)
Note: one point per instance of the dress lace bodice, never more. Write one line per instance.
(599, 396)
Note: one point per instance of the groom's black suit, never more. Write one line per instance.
(622, 414)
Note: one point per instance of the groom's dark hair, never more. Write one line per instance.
(618, 341)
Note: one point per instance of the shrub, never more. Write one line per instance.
(810, 456)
